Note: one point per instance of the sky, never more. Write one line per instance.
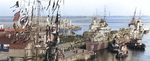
(88, 7)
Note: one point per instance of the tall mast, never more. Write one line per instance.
(105, 12)
(38, 13)
(38, 19)
(96, 13)
(134, 13)
(53, 46)
(140, 14)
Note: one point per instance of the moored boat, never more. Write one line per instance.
(136, 44)
(123, 52)
(113, 46)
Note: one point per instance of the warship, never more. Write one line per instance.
(138, 30)
(66, 24)
(97, 35)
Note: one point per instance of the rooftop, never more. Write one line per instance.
(5, 40)
(19, 44)
(10, 30)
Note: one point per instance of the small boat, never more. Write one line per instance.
(123, 52)
(136, 44)
(113, 46)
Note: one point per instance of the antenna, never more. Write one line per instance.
(38, 13)
(140, 13)
(96, 13)
(105, 12)
(64, 2)
(134, 13)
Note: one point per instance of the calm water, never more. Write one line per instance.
(105, 55)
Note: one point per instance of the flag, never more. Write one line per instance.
(17, 5)
(48, 5)
(16, 16)
(53, 6)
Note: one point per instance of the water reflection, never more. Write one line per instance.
(106, 55)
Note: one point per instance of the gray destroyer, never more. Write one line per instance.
(97, 34)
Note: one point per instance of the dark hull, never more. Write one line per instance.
(96, 46)
(121, 56)
(146, 31)
(132, 45)
(113, 48)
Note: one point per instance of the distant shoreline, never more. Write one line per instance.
(83, 16)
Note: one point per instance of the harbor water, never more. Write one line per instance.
(114, 24)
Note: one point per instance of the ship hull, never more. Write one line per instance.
(113, 48)
(133, 46)
(96, 46)
(121, 56)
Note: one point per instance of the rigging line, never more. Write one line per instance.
(20, 3)
(28, 2)
(48, 5)
(49, 13)
(45, 1)
(43, 8)
(57, 6)
(53, 5)
(63, 2)
(140, 13)
(32, 13)
(52, 18)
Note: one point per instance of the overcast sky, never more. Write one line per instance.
(89, 7)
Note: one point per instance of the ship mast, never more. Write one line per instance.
(38, 19)
(38, 13)
(97, 13)
(52, 51)
(105, 12)
(140, 14)
(134, 13)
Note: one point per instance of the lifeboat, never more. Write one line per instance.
(123, 52)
